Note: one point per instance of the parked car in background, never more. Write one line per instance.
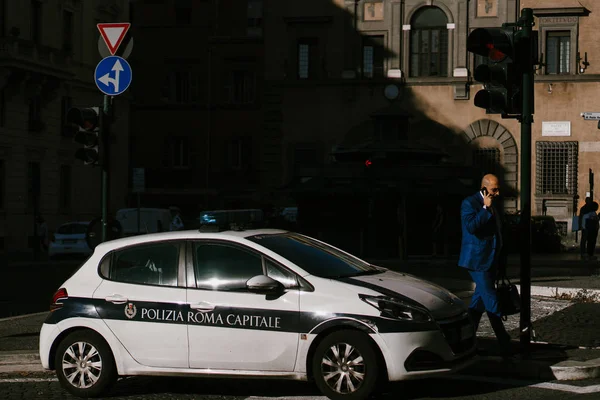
(545, 236)
(69, 239)
(151, 220)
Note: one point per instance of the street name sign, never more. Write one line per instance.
(113, 75)
(113, 34)
(595, 116)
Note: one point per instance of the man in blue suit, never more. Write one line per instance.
(480, 253)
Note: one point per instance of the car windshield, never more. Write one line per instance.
(314, 257)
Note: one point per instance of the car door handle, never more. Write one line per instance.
(202, 306)
(116, 299)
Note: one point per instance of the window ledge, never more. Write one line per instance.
(567, 78)
(561, 11)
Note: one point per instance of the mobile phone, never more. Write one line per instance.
(484, 191)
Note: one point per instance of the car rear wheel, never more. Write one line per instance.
(345, 366)
(84, 364)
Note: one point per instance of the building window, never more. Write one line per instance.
(373, 56)
(429, 43)
(487, 160)
(2, 183)
(183, 12)
(558, 52)
(35, 114)
(67, 38)
(33, 184)
(179, 152)
(307, 58)
(183, 87)
(241, 88)
(240, 153)
(65, 106)
(36, 21)
(556, 168)
(255, 17)
(64, 201)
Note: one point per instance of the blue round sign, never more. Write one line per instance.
(113, 75)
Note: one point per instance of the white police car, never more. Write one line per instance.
(264, 303)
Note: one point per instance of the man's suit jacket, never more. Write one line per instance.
(481, 235)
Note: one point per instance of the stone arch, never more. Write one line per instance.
(510, 162)
(410, 14)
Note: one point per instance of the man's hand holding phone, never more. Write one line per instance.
(487, 197)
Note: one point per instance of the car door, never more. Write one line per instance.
(231, 327)
(142, 300)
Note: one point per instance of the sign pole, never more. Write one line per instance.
(112, 76)
(527, 119)
(105, 133)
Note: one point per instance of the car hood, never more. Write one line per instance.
(440, 302)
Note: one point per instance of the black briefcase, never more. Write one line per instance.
(509, 299)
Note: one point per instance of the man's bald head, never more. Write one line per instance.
(490, 181)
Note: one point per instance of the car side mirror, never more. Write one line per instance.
(264, 284)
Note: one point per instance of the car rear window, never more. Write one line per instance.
(72, 229)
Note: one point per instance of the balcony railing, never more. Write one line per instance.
(16, 50)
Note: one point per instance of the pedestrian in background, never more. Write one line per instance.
(176, 221)
(582, 211)
(42, 233)
(480, 254)
(591, 223)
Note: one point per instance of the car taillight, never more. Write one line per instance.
(60, 294)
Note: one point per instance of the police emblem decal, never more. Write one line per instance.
(130, 310)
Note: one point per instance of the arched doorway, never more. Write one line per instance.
(495, 151)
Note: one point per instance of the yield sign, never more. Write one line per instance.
(113, 34)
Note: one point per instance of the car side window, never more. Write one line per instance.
(287, 278)
(223, 267)
(154, 264)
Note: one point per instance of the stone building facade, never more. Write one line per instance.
(48, 52)
(336, 64)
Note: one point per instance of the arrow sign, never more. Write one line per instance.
(113, 34)
(113, 75)
(106, 79)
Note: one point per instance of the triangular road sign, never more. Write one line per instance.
(113, 34)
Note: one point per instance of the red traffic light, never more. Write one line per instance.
(368, 163)
(493, 43)
(495, 54)
(85, 118)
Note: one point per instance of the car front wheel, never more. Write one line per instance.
(345, 366)
(84, 364)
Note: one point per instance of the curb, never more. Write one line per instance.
(20, 361)
(542, 370)
(568, 293)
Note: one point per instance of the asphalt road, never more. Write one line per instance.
(44, 386)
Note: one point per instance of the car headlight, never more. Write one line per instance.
(397, 309)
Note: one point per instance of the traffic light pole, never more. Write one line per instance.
(106, 119)
(526, 21)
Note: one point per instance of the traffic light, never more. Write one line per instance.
(500, 71)
(85, 125)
